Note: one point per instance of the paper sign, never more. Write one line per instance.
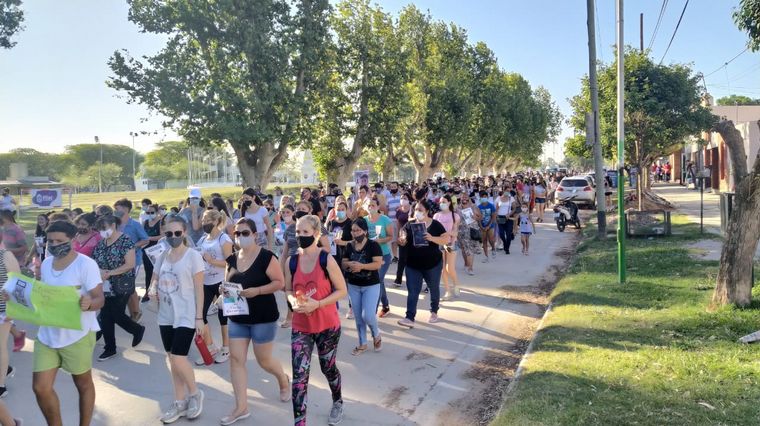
(232, 302)
(418, 234)
(467, 213)
(38, 303)
(361, 177)
(155, 252)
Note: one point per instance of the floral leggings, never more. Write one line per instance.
(302, 346)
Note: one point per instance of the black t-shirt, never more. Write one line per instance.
(364, 277)
(345, 235)
(424, 257)
(262, 309)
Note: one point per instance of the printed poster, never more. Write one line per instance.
(38, 303)
(155, 252)
(232, 302)
(418, 234)
(361, 177)
(468, 216)
(45, 198)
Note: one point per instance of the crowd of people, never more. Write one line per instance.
(317, 248)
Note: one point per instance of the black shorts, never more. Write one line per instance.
(177, 341)
(209, 293)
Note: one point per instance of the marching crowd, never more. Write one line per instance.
(317, 248)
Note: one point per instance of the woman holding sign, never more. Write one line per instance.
(115, 255)
(424, 237)
(258, 272)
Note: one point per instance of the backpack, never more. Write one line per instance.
(322, 263)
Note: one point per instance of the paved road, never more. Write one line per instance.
(417, 376)
(687, 202)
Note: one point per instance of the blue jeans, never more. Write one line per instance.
(364, 301)
(414, 279)
(383, 270)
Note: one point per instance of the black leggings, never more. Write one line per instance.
(209, 292)
(506, 233)
(111, 314)
(401, 265)
(148, 266)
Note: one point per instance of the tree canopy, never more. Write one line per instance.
(11, 20)
(737, 100)
(747, 18)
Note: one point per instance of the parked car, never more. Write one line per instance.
(581, 187)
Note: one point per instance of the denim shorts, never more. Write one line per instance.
(258, 333)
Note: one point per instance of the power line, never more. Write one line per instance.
(659, 21)
(674, 31)
(728, 62)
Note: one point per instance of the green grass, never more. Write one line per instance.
(646, 352)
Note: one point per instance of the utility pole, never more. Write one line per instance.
(621, 141)
(641, 32)
(593, 126)
(100, 166)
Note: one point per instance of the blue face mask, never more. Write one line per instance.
(341, 215)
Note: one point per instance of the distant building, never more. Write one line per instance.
(308, 171)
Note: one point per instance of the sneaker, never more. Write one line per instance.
(20, 341)
(456, 291)
(336, 413)
(137, 337)
(485, 259)
(446, 295)
(178, 409)
(98, 335)
(222, 356)
(470, 272)
(212, 310)
(3, 392)
(228, 420)
(107, 354)
(395, 259)
(433, 318)
(506, 251)
(384, 312)
(493, 254)
(350, 314)
(214, 352)
(195, 405)
(10, 372)
(406, 322)
(397, 284)
(145, 299)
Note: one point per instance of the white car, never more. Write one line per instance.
(580, 187)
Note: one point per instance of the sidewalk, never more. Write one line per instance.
(428, 376)
(687, 202)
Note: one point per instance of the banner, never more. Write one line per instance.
(361, 177)
(232, 302)
(154, 252)
(45, 198)
(38, 303)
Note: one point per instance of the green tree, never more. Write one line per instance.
(84, 155)
(110, 174)
(38, 163)
(734, 280)
(662, 108)
(237, 73)
(11, 20)
(737, 100)
(167, 153)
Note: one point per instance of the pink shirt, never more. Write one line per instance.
(448, 222)
(87, 246)
(323, 318)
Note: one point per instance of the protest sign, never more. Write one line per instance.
(38, 303)
(232, 302)
(154, 252)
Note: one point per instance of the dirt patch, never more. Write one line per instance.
(417, 356)
(494, 373)
(392, 399)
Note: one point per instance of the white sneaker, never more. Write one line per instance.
(446, 296)
(212, 310)
(195, 405)
(222, 356)
(178, 409)
(485, 259)
(214, 352)
(493, 254)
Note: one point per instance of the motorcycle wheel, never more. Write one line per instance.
(561, 224)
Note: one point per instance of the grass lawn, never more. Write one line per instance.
(646, 352)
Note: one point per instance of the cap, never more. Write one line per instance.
(195, 193)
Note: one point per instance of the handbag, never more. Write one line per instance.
(475, 234)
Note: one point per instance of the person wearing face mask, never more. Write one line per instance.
(216, 246)
(152, 227)
(252, 208)
(135, 231)
(340, 236)
(178, 282)
(259, 273)
(290, 248)
(115, 256)
(145, 203)
(505, 207)
(487, 225)
(424, 262)
(192, 211)
(86, 239)
(71, 350)
(403, 213)
(450, 221)
(362, 259)
(380, 222)
(314, 284)
(13, 237)
(393, 200)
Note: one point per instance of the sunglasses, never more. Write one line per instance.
(169, 234)
(243, 233)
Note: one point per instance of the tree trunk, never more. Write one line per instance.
(256, 167)
(734, 281)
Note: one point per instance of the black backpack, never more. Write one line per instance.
(322, 263)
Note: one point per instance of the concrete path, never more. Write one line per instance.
(687, 202)
(426, 376)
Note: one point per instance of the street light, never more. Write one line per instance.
(134, 172)
(100, 166)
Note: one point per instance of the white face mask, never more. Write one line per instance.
(404, 202)
(444, 207)
(106, 234)
(244, 241)
(420, 216)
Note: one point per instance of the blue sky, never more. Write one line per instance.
(53, 93)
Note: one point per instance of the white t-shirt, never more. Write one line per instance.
(213, 247)
(84, 272)
(176, 289)
(503, 207)
(393, 203)
(6, 203)
(258, 218)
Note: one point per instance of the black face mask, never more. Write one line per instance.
(83, 230)
(61, 250)
(175, 241)
(300, 214)
(305, 242)
(208, 227)
(394, 191)
(359, 238)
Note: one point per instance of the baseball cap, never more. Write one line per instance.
(195, 193)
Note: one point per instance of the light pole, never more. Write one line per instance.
(134, 172)
(100, 166)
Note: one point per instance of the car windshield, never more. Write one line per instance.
(571, 183)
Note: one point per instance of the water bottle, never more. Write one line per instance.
(203, 349)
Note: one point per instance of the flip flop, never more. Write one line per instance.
(359, 350)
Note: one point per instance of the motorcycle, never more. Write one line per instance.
(566, 213)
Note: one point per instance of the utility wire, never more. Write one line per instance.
(674, 31)
(599, 32)
(659, 21)
(728, 62)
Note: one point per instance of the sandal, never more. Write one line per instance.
(359, 350)
(285, 324)
(378, 343)
(285, 393)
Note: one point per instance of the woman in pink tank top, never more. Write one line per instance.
(314, 290)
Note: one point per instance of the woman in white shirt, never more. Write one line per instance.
(252, 208)
(215, 247)
(178, 279)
